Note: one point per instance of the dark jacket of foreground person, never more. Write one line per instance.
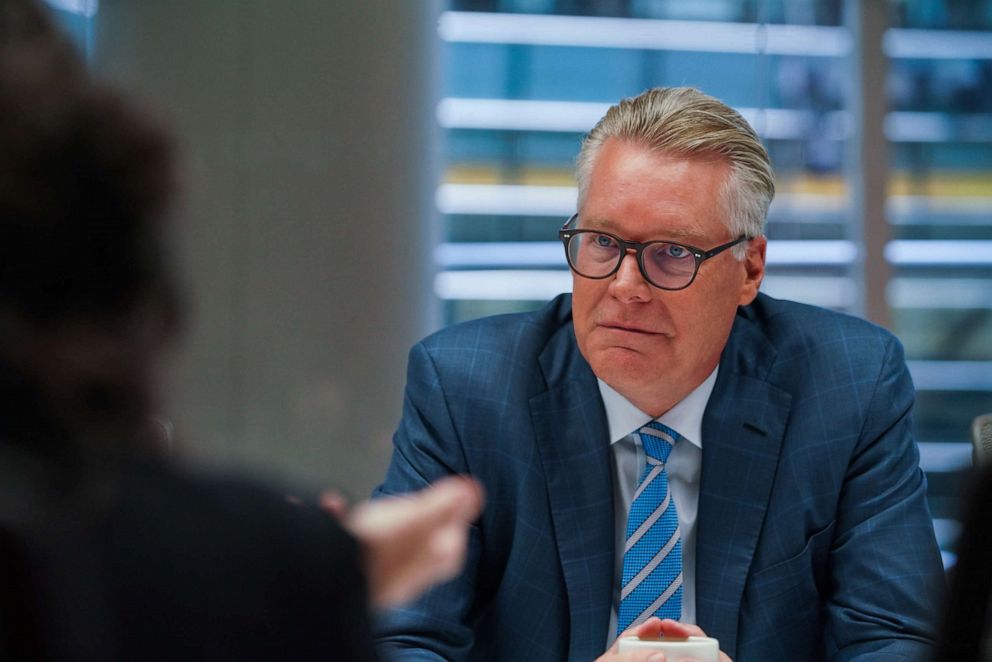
(107, 557)
(967, 631)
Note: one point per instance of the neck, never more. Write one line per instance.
(656, 402)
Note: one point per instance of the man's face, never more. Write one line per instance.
(651, 345)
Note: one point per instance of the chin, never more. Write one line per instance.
(623, 367)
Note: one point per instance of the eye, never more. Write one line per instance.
(593, 248)
(676, 251)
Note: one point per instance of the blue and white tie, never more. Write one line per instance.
(652, 556)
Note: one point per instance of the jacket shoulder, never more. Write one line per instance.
(776, 338)
(517, 334)
(500, 355)
(786, 323)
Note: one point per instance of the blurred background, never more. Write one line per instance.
(362, 173)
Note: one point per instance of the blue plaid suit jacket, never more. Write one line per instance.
(814, 538)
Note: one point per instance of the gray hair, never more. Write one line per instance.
(684, 121)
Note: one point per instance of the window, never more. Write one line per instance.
(524, 80)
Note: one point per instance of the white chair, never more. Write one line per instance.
(981, 440)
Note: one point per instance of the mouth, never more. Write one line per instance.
(626, 327)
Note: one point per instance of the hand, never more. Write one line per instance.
(414, 541)
(654, 627)
(649, 628)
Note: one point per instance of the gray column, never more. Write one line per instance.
(307, 226)
(868, 156)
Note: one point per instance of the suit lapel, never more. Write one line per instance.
(742, 436)
(572, 438)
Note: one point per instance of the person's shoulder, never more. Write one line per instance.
(787, 322)
(188, 517)
(800, 346)
(218, 507)
(499, 354)
(266, 571)
(520, 332)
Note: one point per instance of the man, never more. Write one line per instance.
(107, 550)
(799, 529)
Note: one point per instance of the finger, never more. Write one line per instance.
(448, 547)
(457, 497)
(417, 539)
(672, 628)
(649, 629)
(454, 498)
(334, 503)
(640, 656)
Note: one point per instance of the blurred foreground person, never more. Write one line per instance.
(107, 551)
(967, 628)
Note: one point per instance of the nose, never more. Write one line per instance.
(628, 284)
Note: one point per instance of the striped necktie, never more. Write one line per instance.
(652, 555)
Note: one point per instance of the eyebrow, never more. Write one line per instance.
(675, 234)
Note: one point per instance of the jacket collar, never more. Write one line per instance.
(743, 429)
(573, 441)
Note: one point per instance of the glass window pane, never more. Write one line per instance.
(525, 79)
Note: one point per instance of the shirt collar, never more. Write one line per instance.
(686, 417)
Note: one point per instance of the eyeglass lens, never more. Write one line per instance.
(597, 255)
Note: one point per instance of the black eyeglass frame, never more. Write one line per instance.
(565, 235)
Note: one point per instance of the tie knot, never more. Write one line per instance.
(658, 440)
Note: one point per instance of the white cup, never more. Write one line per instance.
(704, 649)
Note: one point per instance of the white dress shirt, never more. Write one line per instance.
(683, 469)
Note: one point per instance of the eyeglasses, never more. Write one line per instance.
(664, 264)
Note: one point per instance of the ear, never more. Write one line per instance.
(754, 269)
